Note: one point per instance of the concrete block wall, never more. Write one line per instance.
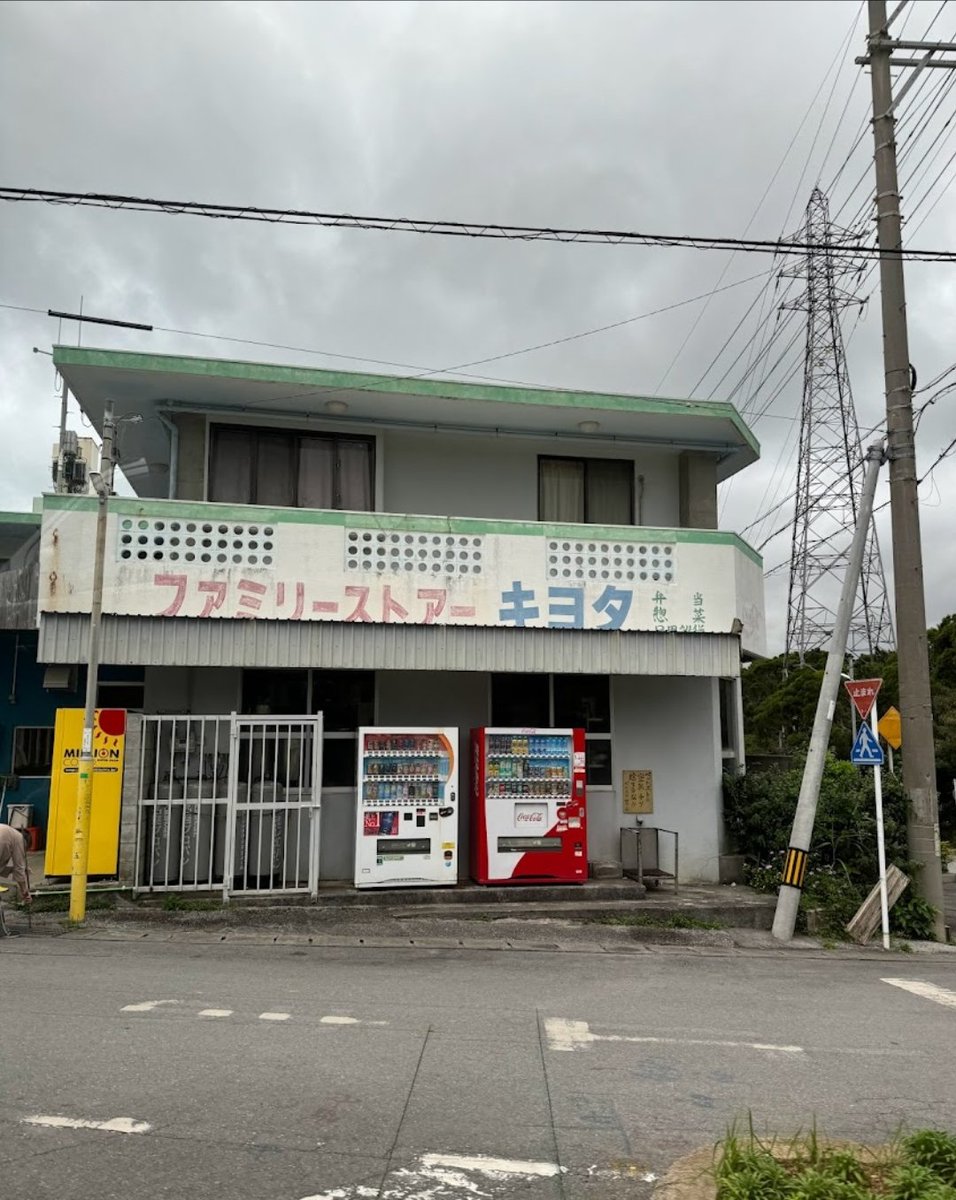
(129, 806)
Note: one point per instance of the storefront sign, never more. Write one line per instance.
(109, 749)
(336, 567)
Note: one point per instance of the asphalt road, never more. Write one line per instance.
(263, 1071)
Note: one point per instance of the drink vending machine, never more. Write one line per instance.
(528, 806)
(407, 810)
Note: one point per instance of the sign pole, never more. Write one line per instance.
(880, 842)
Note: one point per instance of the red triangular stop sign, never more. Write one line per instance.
(863, 693)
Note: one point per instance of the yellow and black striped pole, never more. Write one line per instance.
(795, 868)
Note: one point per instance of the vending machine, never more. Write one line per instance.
(528, 812)
(407, 810)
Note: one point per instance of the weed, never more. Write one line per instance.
(174, 903)
(934, 1149)
(95, 902)
(914, 1182)
(655, 921)
(921, 1166)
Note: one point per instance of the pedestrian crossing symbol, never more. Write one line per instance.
(867, 751)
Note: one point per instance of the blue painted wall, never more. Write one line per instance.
(24, 701)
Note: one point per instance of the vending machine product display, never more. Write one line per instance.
(407, 810)
(528, 810)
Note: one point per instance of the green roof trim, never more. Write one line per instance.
(20, 518)
(66, 356)
(196, 510)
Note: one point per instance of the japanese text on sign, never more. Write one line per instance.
(638, 791)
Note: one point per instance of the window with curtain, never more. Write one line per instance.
(591, 491)
(290, 469)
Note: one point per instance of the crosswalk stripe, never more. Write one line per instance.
(929, 991)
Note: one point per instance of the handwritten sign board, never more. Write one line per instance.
(638, 791)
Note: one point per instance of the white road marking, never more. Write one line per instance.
(348, 1021)
(929, 991)
(576, 1035)
(146, 1005)
(114, 1125)
(495, 1167)
(435, 1176)
(274, 1016)
(215, 1012)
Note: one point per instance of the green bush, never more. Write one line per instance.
(843, 865)
(919, 1167)
(934, 1149)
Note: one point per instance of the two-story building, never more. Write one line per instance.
(415, 551)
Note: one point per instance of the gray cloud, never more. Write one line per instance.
(658, 116)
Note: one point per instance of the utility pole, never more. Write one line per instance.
(919, 761)
(84, 788)
(788, 898)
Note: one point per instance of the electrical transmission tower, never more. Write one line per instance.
(831, 467)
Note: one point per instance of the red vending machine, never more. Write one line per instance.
(528, 814)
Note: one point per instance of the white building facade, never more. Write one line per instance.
(419, 552)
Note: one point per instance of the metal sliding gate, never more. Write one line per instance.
(229, 803)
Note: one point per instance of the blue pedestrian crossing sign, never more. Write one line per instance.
(867, 751)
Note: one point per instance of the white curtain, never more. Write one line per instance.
(560, 489)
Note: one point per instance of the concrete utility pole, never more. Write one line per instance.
(919, 762)
(84, 787)
(788, 898)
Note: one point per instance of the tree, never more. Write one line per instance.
(779, 707)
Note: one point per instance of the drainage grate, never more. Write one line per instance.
(434, 553)
(629, 561)
(223, 544)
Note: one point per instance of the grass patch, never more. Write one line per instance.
(655, 921)
(95, 902)
(175, 903)
(921, 1166)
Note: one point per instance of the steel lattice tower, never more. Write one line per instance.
(830, 470)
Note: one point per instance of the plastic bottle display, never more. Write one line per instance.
(528, 766)
(403, 769)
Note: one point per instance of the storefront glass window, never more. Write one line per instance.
(520, 700)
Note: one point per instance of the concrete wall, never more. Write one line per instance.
(670, 726)
(497, 478)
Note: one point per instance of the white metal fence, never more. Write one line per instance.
(230, 803)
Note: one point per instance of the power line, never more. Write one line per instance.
(773, 179)
(448, 228)
(422, 372)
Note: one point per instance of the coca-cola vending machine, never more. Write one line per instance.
(528, 810)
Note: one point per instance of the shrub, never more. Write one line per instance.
(843, 865)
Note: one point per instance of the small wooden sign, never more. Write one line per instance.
(638, 791)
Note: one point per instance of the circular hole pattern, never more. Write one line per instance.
(236, 545)
(439, 554)
(594, 561)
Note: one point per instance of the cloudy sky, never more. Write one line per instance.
(677, 117)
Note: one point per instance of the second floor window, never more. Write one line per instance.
(592, 491)
(290, 469)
